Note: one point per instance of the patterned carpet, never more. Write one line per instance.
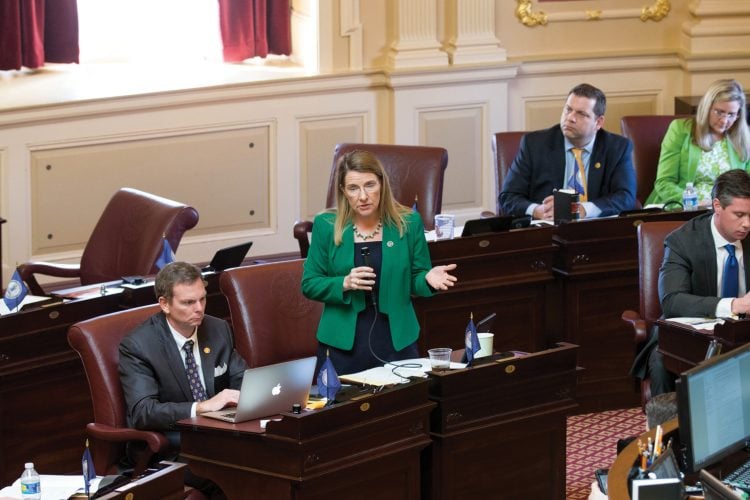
(592, 444)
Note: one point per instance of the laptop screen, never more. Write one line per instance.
(228, 257)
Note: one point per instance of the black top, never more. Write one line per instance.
(373, 332)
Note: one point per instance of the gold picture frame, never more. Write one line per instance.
(529, 17)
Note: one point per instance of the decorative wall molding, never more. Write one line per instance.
(717, 27)
(415, 39)
(528, 17)
(351, 26)
(471, 29)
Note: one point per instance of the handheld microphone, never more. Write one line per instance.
(365, 252)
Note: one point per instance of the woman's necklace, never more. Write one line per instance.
(365, 237)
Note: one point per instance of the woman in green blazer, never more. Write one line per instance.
(366, 260)
(699, 149)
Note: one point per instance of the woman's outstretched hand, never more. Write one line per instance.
(439, 278)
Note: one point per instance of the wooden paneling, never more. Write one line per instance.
(460, 131)
(318, 138)
(71, 185)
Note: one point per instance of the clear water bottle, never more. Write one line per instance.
(689, 198)
(30, 486)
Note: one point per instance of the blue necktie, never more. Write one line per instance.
(196, 387)
(730, 286)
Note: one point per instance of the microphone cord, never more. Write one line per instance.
(396, 366)
(365, 252)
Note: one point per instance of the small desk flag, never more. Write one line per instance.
(166, 256)
(415, 207)
(471, 340)
(15, 292)
(328, 380)
(87, 466)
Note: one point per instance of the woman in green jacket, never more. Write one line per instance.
(699, 149)
(367, 258)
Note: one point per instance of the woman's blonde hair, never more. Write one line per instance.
(738, 134)
(391, 211)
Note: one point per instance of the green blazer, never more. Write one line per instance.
(406, 261)
(678, 162)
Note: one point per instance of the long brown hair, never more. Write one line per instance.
(391, 211)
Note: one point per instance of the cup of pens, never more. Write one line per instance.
(652, 449)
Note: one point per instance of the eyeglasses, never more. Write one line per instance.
(354, 190)
(723, 114)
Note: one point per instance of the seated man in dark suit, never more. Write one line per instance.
(180, 362)
(578, 154)
(704, 272)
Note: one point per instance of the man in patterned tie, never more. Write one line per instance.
(705, 269)
(179, 362)
(577, 154)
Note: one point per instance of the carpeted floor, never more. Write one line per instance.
(592, 444)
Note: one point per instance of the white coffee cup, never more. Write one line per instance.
(486, 341)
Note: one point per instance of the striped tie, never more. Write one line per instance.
(577, 181)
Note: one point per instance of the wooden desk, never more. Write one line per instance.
(44, 396)
(506, 273)
(364, 448)
(500, 427)
(617, 480)
(597, 279)
(167, 483)
(547, 285)
(683, 347)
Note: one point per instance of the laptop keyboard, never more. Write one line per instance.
(230, 414)
(740, 477)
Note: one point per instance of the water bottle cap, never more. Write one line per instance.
(29, 465)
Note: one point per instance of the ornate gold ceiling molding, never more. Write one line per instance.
(526, 15)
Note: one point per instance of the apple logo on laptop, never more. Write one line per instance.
(276, 390)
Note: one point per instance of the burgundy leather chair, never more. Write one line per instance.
(646, 132)
(97, 342)
(415, 173)
(126, 240)
(505, 147)
(271, 319)
(650, 255)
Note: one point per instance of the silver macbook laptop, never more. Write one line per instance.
(269, 390)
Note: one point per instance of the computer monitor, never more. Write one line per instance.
(496, 224)
(714, 408)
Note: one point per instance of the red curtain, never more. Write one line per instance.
(255, 28)
(33, 32)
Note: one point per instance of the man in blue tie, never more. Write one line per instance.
(576, 154)
(704, 272)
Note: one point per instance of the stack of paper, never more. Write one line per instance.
(397, 372)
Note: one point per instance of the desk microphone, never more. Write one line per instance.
(365, 252)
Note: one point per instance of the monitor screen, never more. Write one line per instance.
(714, 408)
(495, 224)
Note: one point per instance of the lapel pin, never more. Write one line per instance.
(207, 350)
(389, 244)
(597, 165)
